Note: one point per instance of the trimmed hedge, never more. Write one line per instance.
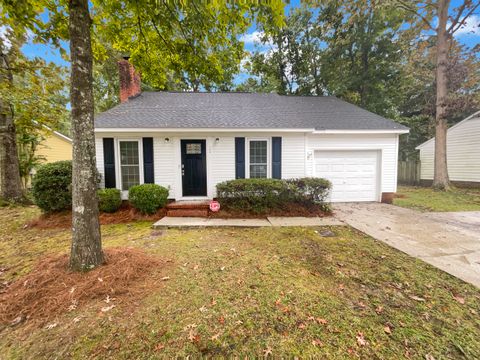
(109, 200)
(260, 195)
(311, 190)
(148, 198)
(52, 186)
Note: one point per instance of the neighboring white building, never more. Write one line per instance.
(189, 142)
(463, 152)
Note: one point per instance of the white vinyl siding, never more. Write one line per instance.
(163, 163)
(297, 154)
(222, 161)
(463, 153)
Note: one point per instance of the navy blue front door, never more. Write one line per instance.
(194, 168)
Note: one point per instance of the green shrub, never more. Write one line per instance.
(254, 195)
(148, 197)
(109, 200)
(52, 186)
(261, 195)
(310, 190)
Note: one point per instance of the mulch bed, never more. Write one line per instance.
(124, 215)
(51, 288)
(294, 210)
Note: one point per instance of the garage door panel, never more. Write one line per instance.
(353, 174)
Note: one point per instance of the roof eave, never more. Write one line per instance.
(227, 129)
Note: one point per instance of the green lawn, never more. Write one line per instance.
(253, 292)
(427, 199)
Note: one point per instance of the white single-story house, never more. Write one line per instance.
(189, 142)
(463, 153)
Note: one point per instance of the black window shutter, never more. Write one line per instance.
(276, 157)
(109, 162)
(239, 158)
(148, 177)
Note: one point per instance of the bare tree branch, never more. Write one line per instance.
(457, 18)
(463, 21)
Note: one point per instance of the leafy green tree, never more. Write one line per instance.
(364, 47)
(289, 58)
(182, 45)
(36, 95)
(191, 42)
(28, 159)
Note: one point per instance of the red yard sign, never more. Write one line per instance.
(214, 206)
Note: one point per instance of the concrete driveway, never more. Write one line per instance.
(448, 241)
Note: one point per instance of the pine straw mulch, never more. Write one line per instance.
(124, 215)
(293, 210)
(51, 289)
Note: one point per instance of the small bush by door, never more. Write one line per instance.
(148, 198)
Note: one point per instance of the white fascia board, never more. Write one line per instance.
(60, 135)
(399, 131)
(163, 130)
(313, 131)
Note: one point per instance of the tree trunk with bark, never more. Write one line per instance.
(440, 177)
(10, 182)
(86, 251)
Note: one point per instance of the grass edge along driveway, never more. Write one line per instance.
(428, 199)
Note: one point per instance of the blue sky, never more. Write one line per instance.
(469, 36)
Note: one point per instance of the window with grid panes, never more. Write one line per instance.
(258, 159)
(129, 164)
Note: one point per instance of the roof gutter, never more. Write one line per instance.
(186, 130)
(312, 131)
(394, 131)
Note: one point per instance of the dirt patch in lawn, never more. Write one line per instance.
(293, 210)
(51, 289)
(124, 215)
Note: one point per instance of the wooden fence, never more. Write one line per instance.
(409, 172)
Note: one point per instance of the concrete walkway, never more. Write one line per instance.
(269, 221)
(448, 241)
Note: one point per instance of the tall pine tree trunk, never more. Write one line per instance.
(10, 182)
(86, 251)
(440, 177)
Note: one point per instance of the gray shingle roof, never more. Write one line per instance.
(240, 110)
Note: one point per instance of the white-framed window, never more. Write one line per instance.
(258, 156)
(130, 163)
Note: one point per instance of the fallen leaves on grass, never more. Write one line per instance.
(459, 299)
(417, 298)
(317, 342)
(361, 339)
(51, 289)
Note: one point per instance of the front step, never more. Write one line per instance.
(188, 209)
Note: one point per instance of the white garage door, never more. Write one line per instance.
(354, 174)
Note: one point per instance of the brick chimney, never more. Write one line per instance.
(129, 80)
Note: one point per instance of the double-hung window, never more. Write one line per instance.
(258, 158)
(129, 163)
